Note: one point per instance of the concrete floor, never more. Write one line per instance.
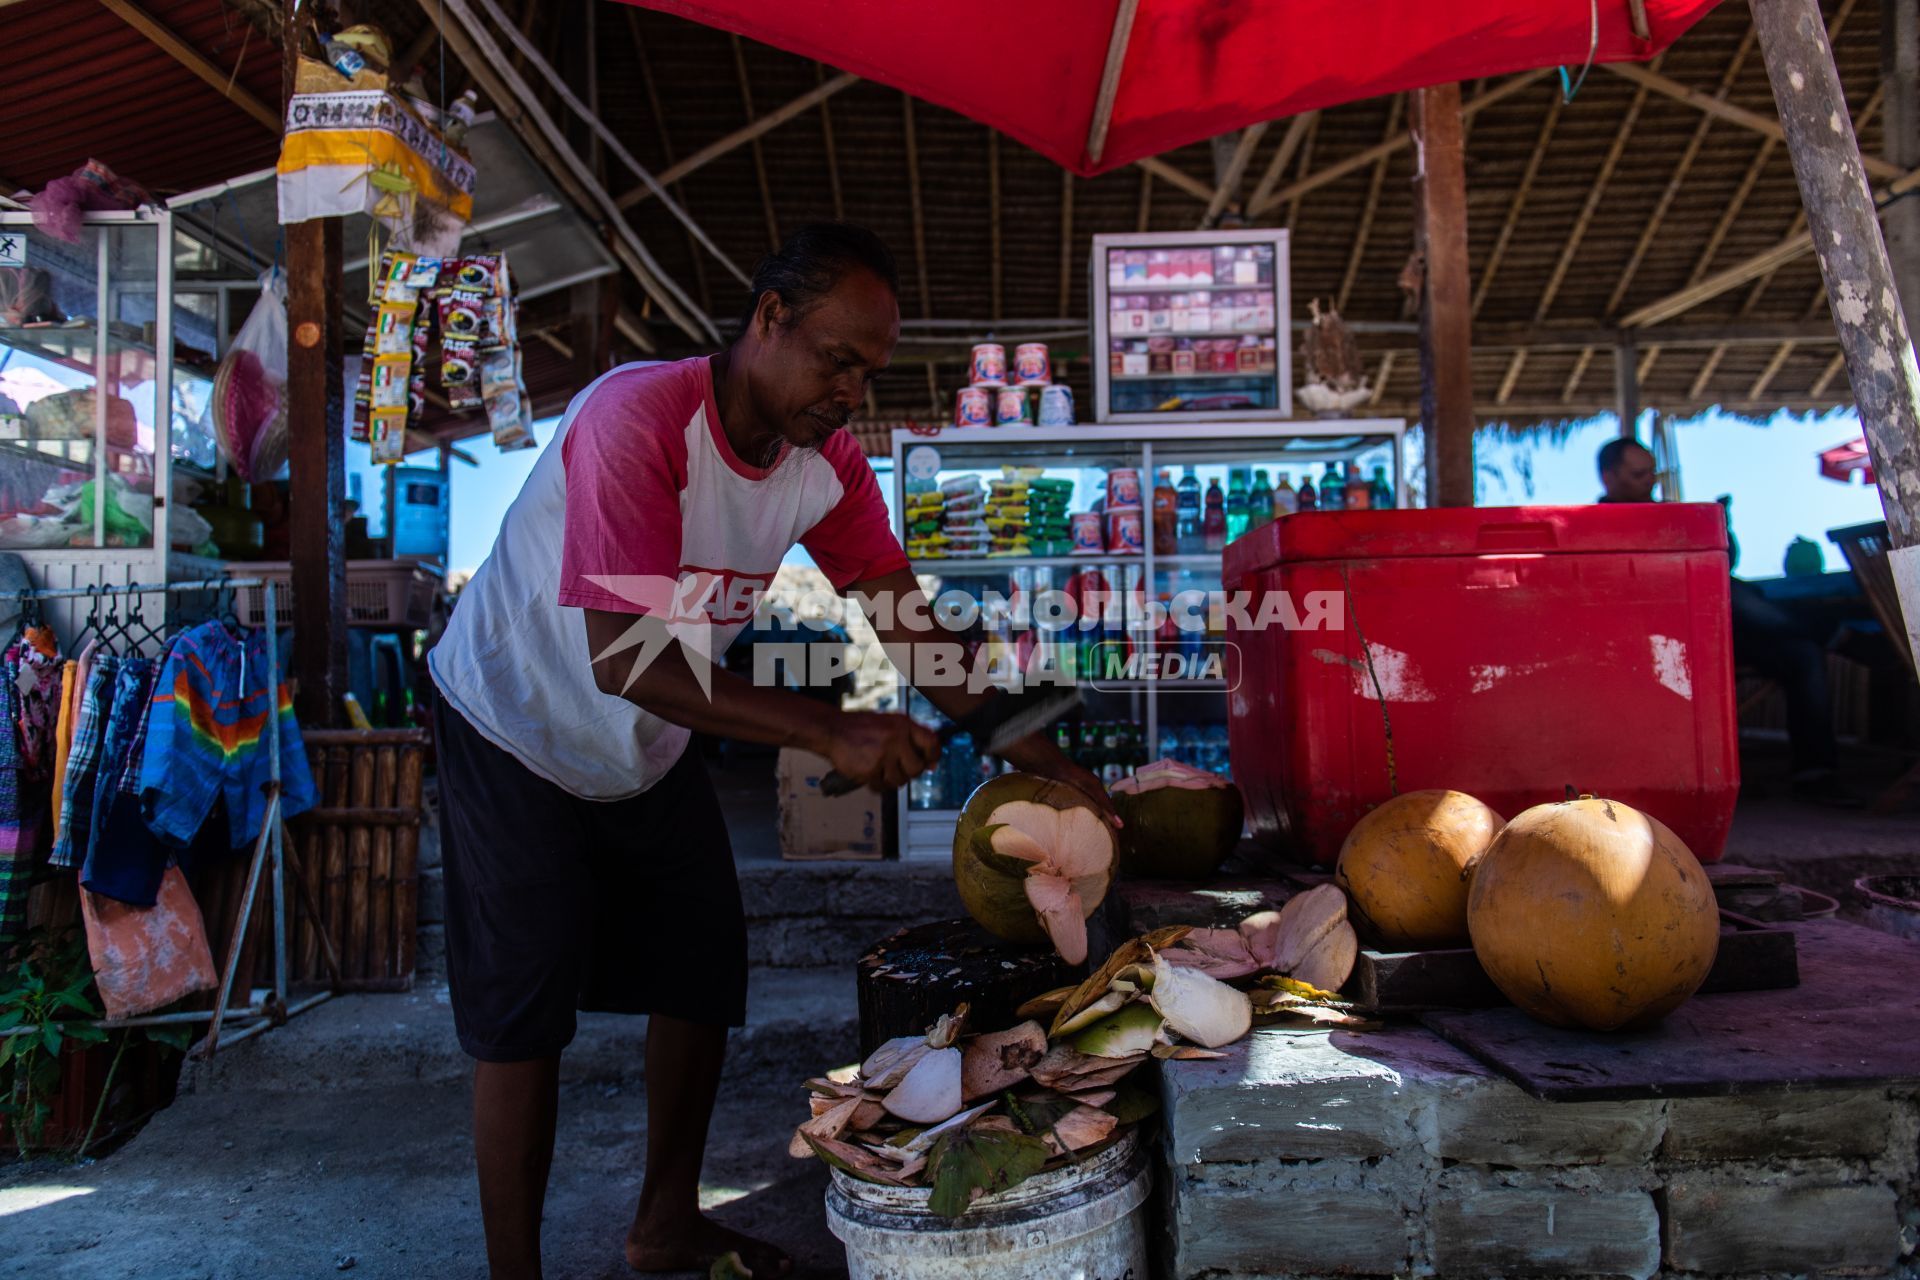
(346, 1135)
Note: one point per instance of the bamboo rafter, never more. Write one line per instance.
(1369, 208)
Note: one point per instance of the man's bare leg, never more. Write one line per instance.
(668, 1232)
(514, 1107)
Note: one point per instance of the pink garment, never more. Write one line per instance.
(639, 505)
(145, 958)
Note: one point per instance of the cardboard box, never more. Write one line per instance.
(814, 827)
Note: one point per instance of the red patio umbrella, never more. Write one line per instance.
(1094, 84)
(1843, 461)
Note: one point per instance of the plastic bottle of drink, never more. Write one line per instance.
(1114, 767)
(1236, 504)
(1259, 501)
(1190, 745)
(1306, 498)
(921, 791)
(1187, 508)
(1285, 500)
(1213, 528)
(1333, 489)
(1169, 742)
(1217, 748)
(1359, 492)
(1382, 491)
(1166, 520)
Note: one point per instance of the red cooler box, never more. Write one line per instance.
(1518, 651)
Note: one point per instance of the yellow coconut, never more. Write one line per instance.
(1589, 913)
(1032, 859)
(1405, 867)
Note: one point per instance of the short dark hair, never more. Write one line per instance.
(1614, 451)
(813, 260)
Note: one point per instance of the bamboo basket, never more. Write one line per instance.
(357, 854)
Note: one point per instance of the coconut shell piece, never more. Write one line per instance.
(855, 1160)
(1330, 963)
(828, 1124)
(1112, 1002)
(1081, 1128)
(1043, 1006)
(1000, 1059)
(888, 1065)
(1066, 1069)
(1218, 953)
(1198, 1008)
(1132, 952)
(930, 1092)
(1302, 925)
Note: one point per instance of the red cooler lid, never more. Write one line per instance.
(1469, 531)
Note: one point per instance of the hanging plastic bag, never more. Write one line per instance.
(145, 958)
(247, 410)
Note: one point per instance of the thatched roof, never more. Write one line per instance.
(1581, 214)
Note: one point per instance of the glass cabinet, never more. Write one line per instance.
(95, 407)
(1191, 327)
(1093, 554)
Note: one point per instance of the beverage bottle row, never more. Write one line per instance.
(1207, 522)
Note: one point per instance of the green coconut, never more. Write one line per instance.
(1180, 822)
(1032, 858)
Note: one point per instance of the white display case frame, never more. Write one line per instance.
(927, 834)
(1099, 290)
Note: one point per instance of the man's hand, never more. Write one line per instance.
(880, 750)
(1037, 753)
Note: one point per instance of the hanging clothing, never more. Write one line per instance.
(29, 687)
(123, 859)
(62, 736)
(207, 738)
(16, 848)
(83, 762)
(147, 958)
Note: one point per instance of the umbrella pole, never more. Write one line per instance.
(1854, 263)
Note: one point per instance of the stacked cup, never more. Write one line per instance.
(1028, 397)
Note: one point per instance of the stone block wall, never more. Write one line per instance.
(1393, 1153)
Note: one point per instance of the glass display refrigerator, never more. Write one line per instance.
(1191, 327)
(106, 366)
(1128, 602)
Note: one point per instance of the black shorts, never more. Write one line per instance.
(556, 903)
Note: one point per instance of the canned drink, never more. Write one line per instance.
(1010, 407)
(1031, 364)
(1088, 535)
(989, 365)
(970, 407)
(1126, 531)
(1123, 488)
(1056, 405)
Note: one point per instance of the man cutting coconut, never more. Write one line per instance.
(587, 863)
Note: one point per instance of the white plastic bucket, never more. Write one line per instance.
(1086, 1221)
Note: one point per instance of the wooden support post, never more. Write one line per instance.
(1446, 322)
(1626, 386)
(1845, 228)
(318, 449)
(1900, 81)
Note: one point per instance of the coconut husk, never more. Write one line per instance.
(1000, 1059)
(1066, 1068)
(1132, 952)
(829, 1124)
(1080, 1128)
(1045, 1005)
(855, 1160)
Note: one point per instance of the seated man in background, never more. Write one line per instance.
(1764, 637)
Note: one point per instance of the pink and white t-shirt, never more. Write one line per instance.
(639, 485)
